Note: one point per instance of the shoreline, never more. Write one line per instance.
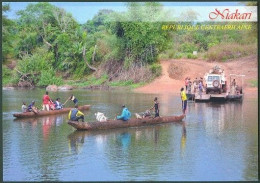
(251, 92)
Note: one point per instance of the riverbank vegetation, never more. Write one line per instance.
(46, 45)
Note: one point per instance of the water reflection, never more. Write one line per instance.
(76, 141)
(46, 123)
(183, 139)
(218, 117)
(220, 139)
(124, 140)
(129, 150)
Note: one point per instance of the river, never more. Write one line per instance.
(216, 142)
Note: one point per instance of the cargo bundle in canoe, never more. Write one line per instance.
(110, 124)
(46, 113)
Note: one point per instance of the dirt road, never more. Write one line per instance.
(197, 68)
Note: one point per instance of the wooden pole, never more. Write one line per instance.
(66, 101)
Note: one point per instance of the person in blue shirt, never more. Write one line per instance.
(126, 114)
(75, 114)
(58, 105)
(32, 108)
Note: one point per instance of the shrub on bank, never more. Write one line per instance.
(191, 56)
(49, 78)
(225, 51)
(8, 76)
(168, 54)
(178, 55)
(156, 69)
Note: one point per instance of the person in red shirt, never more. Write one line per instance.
(51, 105)
(45, 101)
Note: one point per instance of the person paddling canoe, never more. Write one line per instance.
(74, 99)
(156, 107)
(125, 115)
(75, 114)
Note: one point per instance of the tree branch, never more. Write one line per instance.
(94, 53)
(84, 57)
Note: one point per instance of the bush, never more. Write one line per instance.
(97, 81)
(80, 70)
(49, 78)
(170, 53)
(156, 69)
(6, 75)
(40, 60)
(178, 56)
(163, 56)
(191, 56)
(188, 47)
(225, 51)
(128, 62)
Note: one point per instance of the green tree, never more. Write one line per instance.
(8, 34)
(143, 37)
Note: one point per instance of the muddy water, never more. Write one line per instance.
(215, 142)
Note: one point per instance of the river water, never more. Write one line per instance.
(215, 142)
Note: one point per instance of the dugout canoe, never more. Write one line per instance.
(111, 124)
(46, 113)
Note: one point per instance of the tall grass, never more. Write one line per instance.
(225, 51)
(91, 81)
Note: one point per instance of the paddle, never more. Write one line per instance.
(66, 101)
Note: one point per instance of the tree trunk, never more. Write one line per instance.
(94, 53)
(84, 57)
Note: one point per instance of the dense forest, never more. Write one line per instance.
(46, 45)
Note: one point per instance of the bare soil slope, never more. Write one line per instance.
(197, 68)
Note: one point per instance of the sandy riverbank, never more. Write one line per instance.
(197, 68)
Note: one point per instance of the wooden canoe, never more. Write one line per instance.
(110, 124)
(46, 113)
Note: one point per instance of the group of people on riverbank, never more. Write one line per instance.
(196, 86)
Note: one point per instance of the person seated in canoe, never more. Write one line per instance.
(126, 114)
(156, 107)
(75, 114)
(32, 108)
(24, 107)
(51, 104)
(58, 104)
(74, 99)
(45, 101)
